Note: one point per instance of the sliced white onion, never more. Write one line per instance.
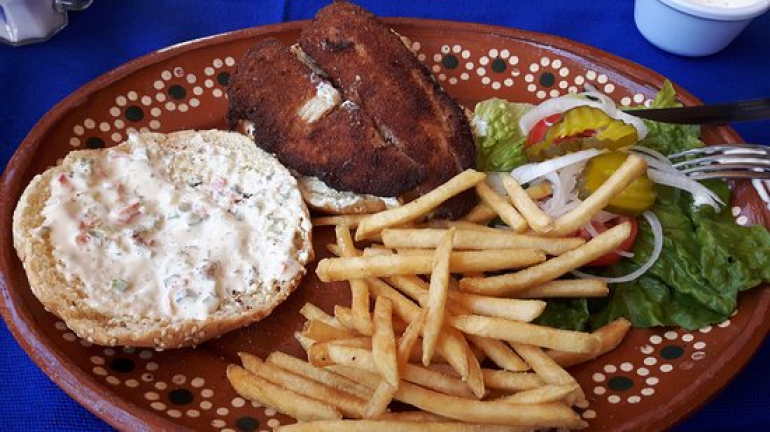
(557, 106)
(657, 247)
(663, 171)
(567, 102)
(701, 195)
(531, 171)
(604, 216)
(559, 196)
(654, 159)
(591, 230)
(564, 197)
(495, 181)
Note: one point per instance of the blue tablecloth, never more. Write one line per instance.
(34, 78)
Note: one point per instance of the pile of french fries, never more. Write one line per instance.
(414, 333)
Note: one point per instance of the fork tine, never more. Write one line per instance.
(732, 175)
(726, 167)
(738, 158)
(732, 148)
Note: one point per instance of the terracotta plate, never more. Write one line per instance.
(653, 380)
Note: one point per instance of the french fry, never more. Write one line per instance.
(418, 289)
(366, 377)
(610, 335)
(438, 381)
(399, 326)
(540, 190)
(350, 406)
(500, 353)
(324, 354)
(409, 338)
(313, 312)
(349, 220)
(476, 261)
(344, 316)
(480, 214)
(321, 332)
(375, 223)
(460, 224)
(473, 411)
(500, 413)
(303, 368)
(536, 218)
(380, 400)
(546, 368)
(483, 214)
(384, 342)
(359, 304)
(363, 371)
(303, 340)
(379, 265)
(514, 331)
(412, 286)
(510, 283)
(630, 170)
(359, 291)
(519, 310)
(478, 240)
(395, 425)
(566, 288)
(511, 381)
(402, 306)
(500, 205)
(437, 296)
(475, 379)
(288, 402)
(356, 342)
(545, 394)
(413, 416)
(450, 344)
(334, 249)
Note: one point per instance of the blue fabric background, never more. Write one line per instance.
(34, 78)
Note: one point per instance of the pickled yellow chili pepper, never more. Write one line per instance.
(638, 196)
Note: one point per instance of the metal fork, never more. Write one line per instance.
(729, 161)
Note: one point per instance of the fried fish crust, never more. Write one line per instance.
(342, 148)
(369, 63)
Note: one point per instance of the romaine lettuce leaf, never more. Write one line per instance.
(706, 260)
(670, 138)
(568, 314)
(499, 141)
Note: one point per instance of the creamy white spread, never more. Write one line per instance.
(326, 99)
(319, 194)
(148, 237)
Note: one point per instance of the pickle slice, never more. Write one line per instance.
(634, 200)
(582, 128)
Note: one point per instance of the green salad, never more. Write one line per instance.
(706, 258)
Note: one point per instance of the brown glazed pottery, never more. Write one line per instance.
(653, 380)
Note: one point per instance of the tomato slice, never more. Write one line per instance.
(627, 245)
(538, 131)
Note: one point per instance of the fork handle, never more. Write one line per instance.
(755, 109)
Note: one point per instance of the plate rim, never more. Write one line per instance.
(118, 412)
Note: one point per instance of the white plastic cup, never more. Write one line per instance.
(29, 21)
(692, 28)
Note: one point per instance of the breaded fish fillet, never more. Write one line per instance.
(297, 115)
(372, 67)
